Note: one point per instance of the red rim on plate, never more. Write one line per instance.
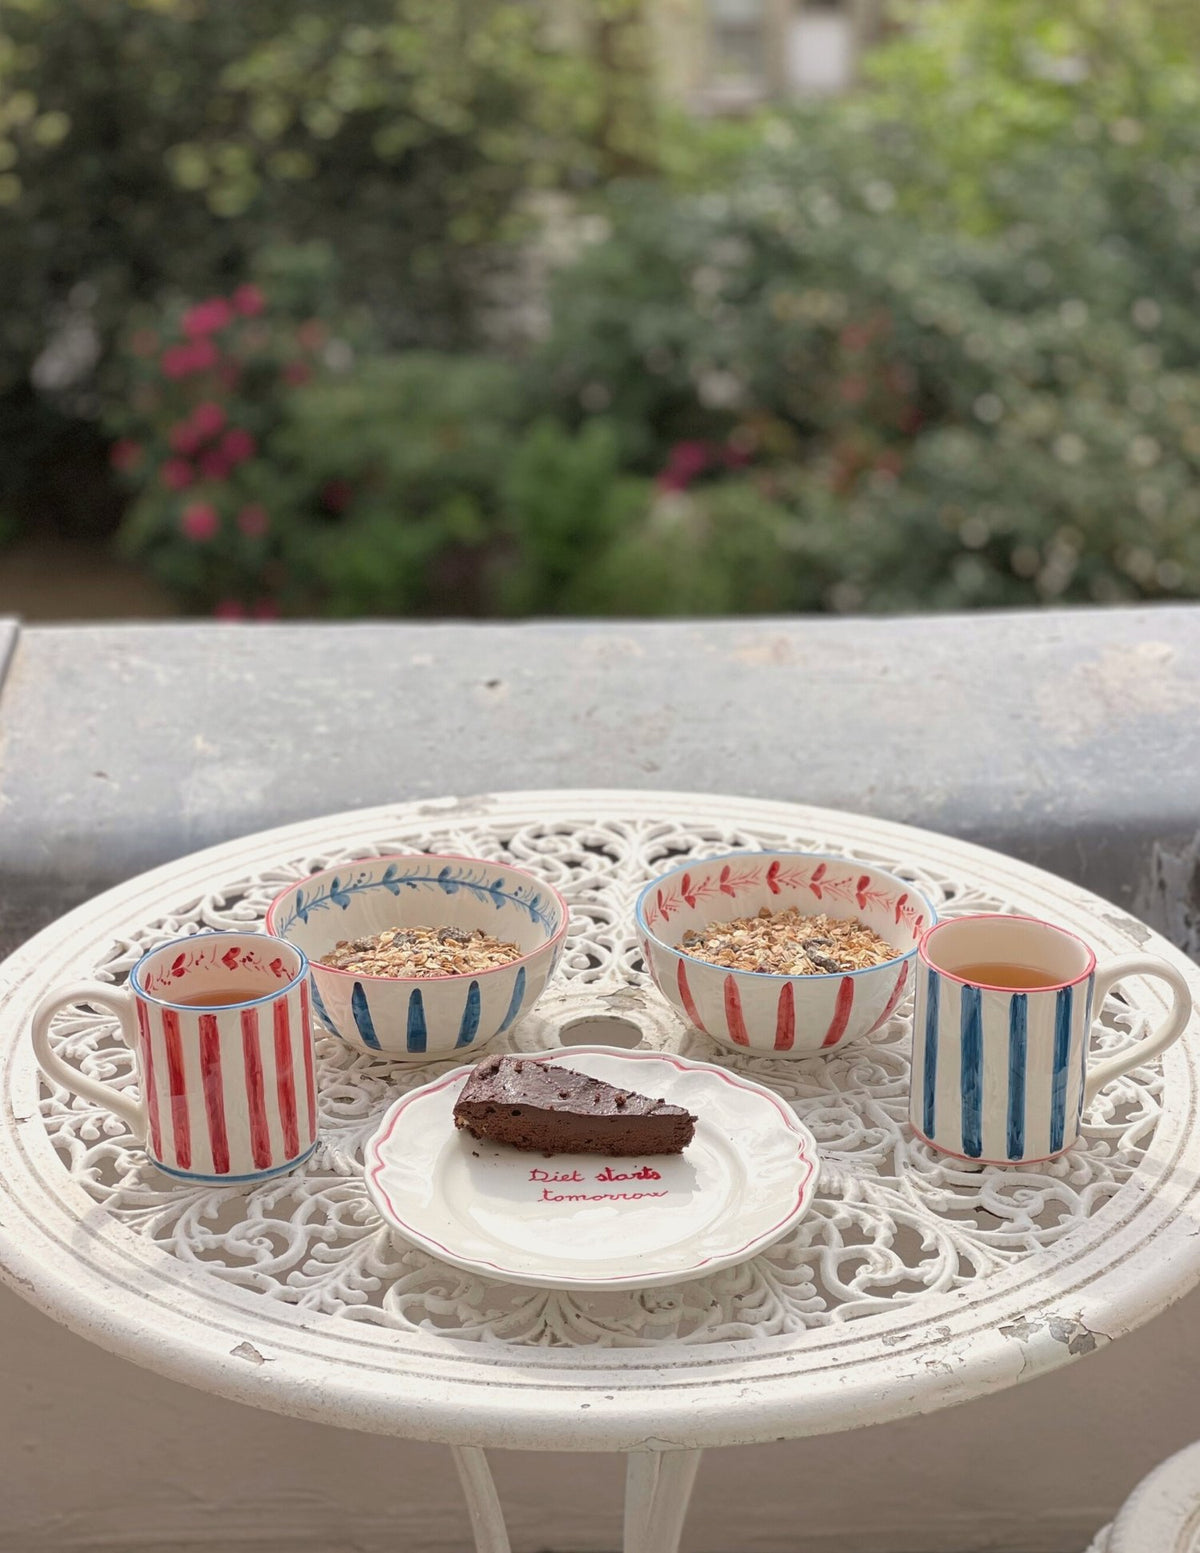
(790, 1151)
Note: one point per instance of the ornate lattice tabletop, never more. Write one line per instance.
(913, 1282)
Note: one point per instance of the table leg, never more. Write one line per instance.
(483, 1503)
(658, 1486)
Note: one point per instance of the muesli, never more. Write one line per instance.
(421, 951)
(787, 943)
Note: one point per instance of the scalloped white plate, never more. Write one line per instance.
(584, 1221)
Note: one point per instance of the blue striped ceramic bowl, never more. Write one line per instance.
(421, 1019)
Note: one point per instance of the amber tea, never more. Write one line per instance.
(1003, 973)
(221, 997)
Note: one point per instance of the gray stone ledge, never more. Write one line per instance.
(1069, 738)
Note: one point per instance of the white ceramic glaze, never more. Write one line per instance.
(418, 1019)
(583, 1221)
(1162, 1514)
(1001, 1073)
(227, 1093)
(788, 1016)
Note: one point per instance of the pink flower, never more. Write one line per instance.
(312, 334)
(207, 317)
(249, 301)
(180, 361)
(200, 521)
(238, 445)
(214, 465)
(856, 337)
(297, 373)
(336, 495)
(253, 520)
(266, 609)
(230, 609)
(125, 454)
(176, 474)
(689, 458)
(685, 461)
(177, 361)
(207, 419)
(183, 438)
(910, 419)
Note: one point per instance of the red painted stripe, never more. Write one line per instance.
(214, 1093)
(733, 1013)
(685, 995)
(149, 1091)
(841, 1012)
(785, 1023)
(285, 1079)
(178, 1087)
(890, 1006)
(310, 1082)
(256, 1094)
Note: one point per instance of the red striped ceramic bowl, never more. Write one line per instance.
(788, 1016)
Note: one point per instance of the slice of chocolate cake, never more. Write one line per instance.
(532, 1105)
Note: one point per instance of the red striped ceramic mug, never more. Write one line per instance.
(221, 1029)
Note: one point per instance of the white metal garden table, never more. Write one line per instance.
(914, 1282)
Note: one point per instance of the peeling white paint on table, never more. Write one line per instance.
(913, 1283)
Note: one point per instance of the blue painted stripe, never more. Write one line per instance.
(1058, 1082)
(932, 998)
(1085, 1043)
(1018, 1037)
(518, 997)
(319, 1005)
(416, 1021)
(362, 1017)
(971, 1076)
(470, 1018)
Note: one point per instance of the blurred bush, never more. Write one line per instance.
(934, 346)
(151, 149)
(960, 349)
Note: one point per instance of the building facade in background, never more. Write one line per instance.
(730, 56)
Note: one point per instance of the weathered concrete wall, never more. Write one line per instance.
(1072, 740)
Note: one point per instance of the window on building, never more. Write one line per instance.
(819, 48)
(737, 48)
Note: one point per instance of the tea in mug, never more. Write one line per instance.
(221, 997)
(1001, 973)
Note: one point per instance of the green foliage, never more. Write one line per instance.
(933, 346)
(414, 446)
(159, 143)
(567, 503)
(951, 402)
(979, 82)
(152, 149)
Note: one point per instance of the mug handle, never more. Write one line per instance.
(132, 1112)
(1170, 1030)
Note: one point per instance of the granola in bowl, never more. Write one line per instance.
(786, 953)
(421, 951)
(788, 943)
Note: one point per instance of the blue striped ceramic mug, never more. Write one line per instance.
(1001, 1028)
